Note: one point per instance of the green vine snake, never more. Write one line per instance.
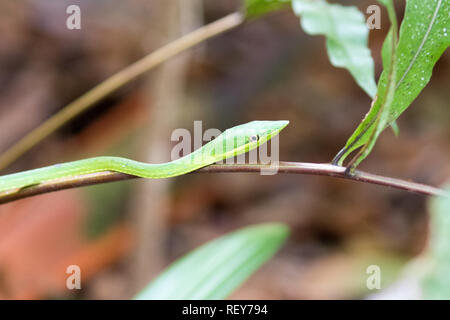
(232, 142)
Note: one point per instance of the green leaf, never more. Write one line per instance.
(424, 36)
(215, 269)
(436, 282)
(346, 35)
(395, 128)
(385, 97)
(256, 8)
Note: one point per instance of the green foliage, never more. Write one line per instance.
(346, 37)
(256, 8)
(436, 282)
(215, 269)
(385, 96)
(395, 128)
(424, 36)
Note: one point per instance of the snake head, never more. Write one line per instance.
(264, 130)
(250, 135)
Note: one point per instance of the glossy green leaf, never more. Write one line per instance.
(346, 35)
(436, 282)
(424, 36)
(215, 269)
(255, 8)
(385, 96)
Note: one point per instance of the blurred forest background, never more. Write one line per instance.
(123, 234)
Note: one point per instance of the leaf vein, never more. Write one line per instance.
(424, 40)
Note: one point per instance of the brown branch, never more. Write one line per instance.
(323, 169)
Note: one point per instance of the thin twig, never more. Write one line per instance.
(323, 169)
(116, 81)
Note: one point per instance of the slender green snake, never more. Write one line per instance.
(232, 142)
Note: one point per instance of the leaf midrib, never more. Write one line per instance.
(424, 40)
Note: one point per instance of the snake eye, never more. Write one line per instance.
(254, 138)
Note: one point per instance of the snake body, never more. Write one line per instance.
(230, 143)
